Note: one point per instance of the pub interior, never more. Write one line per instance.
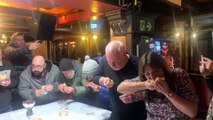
(180, 30)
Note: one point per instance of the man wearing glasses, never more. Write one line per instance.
(39, 81)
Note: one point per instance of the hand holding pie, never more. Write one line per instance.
(3, 77)
(108, 83)
(43, 88)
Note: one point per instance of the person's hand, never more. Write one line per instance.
(39, 92)
(95, 87)
(204, 71)
(34, 45)
(86, 82)
(150, 84)
(206, 66)
(69, 89)
(48, 88)
(127, 98)
(5, 83)
(61, 87)
(107, 82)
(161, 86)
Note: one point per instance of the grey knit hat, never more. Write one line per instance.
(89, 66)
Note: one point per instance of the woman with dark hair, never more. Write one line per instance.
(168, 93)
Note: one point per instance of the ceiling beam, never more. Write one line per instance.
(15, 15)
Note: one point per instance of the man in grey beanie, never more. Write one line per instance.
(102, 93)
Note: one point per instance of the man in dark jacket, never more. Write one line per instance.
(18, 52)
(8, 79)
(77, 66)
(115, 67)
(39, 81)
(71, 82)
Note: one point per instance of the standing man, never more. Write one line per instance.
(39, 81)
(8, 80)
(19, 53)
(115, 67)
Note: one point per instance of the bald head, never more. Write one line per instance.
(116, 55)
(38, 66)
(116, 47)
(38, 60)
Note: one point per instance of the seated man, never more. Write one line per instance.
(71, 85)
(77, 66)
(39, 81)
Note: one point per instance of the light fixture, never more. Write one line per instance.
(177, 34)
(3, 36)
(83, 37)
(1, 41)
(94, 17)
(94, 37)
(72, 43)
(194, 35)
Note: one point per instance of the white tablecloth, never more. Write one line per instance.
(77, 111)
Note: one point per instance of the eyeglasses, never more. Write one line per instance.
(37, 66)
(152, 73)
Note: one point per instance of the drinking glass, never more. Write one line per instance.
(29, 104)
(63, 108)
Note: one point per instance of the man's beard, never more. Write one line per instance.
(37, 74)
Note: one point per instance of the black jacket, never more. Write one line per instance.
(20, 57)
(120, 110)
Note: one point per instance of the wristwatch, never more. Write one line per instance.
(170, 94)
